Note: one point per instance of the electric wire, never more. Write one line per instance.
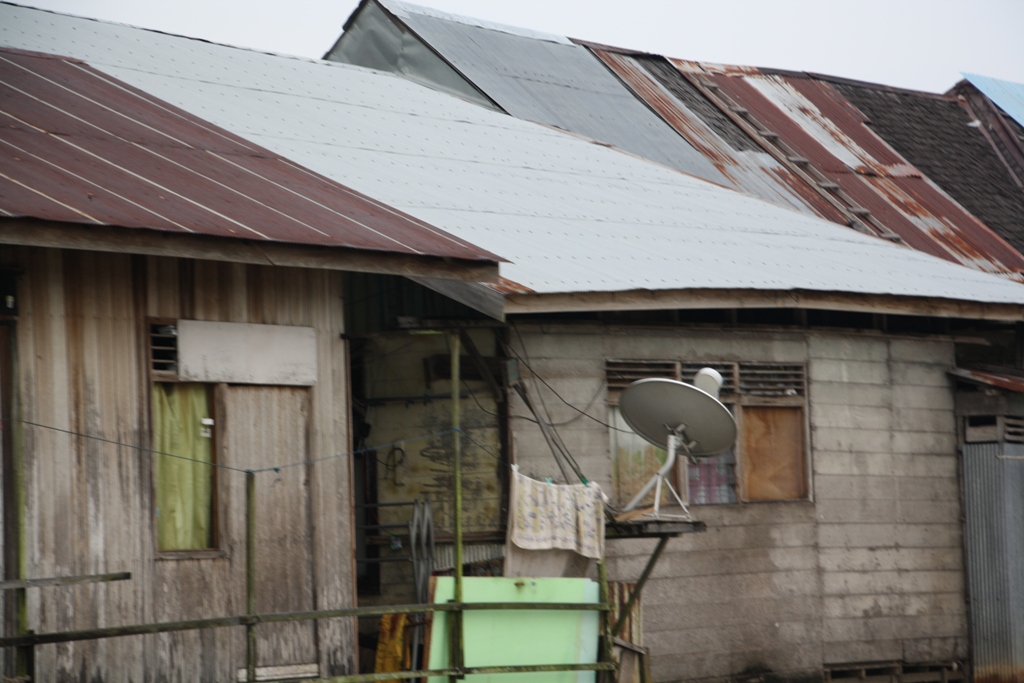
(271, 468)
(556, 437)
(582, 413)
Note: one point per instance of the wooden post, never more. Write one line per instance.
(250, 574)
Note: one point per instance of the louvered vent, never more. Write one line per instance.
(163, 350)
(621, 373)
(772, 379)
(1013, 429)
(993, 429)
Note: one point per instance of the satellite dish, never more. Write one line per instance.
(654, 408)
(670, 414)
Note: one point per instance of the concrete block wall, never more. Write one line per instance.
(868, 570)
(887, 499)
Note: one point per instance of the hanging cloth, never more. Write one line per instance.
(556, 516)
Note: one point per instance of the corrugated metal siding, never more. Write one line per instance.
(554, 82)
(994, 538)
(82, 147)
(82, 367)
(571, 216)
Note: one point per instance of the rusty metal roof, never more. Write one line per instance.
(1001, 380)
(958, 141)
(738, 156)
(81, 146)
(572, 216)
(790, 138)
(822, 130)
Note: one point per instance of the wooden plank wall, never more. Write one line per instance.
(81, 349)
(870, 570)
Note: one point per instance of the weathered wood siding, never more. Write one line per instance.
(870, 570)
(81, 352)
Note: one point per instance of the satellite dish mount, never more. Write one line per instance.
(673, 415)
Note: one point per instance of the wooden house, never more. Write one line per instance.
(173, 317)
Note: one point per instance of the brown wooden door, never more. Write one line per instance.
(269, 427)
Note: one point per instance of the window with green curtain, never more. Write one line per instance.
(184, 484)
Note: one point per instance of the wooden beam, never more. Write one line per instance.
(683, 299)
(39, 233)
(64, 580)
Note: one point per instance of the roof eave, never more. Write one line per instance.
(42, 233)
(682, 299)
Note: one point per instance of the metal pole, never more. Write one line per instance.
(456, 379)
(457, 459)
(606, 650)
(624, 614)
(456, 644)
(250, 574)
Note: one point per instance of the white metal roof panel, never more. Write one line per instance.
(1009, 96)
(570, 215)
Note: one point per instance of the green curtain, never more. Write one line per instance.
(184, 489)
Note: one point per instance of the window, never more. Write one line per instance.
(182, 420)
(183, 441)
(768, 461)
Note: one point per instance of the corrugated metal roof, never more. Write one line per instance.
(850, 176)
(1007, 94)
(572, 216)
(993, 379)
(823, 128)
(548, 79)
(82, 147)
(961, 143)
(740, 158)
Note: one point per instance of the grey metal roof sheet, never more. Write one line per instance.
(548, 79)
(1007, 94)
(570, 215)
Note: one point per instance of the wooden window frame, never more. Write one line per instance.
(217, 409)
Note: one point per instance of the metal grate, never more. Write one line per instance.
(619, 374)
(163, 350)
(772, 379)
(1013, 429)
(747, 377)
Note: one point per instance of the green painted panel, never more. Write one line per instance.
(520, 637)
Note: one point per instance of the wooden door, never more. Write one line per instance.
(269, 427)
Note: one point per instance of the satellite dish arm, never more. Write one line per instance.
(670, 461)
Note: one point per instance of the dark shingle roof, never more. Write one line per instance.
(932, 132)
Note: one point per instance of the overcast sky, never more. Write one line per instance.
(922, 44)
